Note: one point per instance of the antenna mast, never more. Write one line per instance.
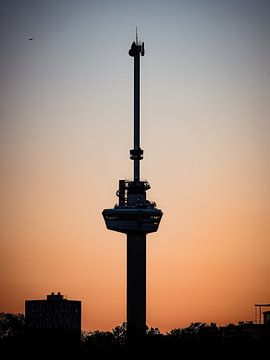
(136, 154)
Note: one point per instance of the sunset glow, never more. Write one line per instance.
(66, 130)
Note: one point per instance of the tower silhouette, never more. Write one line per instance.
(135, 216)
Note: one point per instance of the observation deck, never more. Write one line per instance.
(133, 213)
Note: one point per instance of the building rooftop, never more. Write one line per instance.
(54, 296)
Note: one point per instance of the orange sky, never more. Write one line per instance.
(66, 131)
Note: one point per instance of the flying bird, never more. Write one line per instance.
(30, 38)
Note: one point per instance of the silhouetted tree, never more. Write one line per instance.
(12, 331)
(152, 331)
(11, 324)
(120, 334)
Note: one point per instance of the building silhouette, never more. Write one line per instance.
(266, 317)
(54, 319)
(135, 216)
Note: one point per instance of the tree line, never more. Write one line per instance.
(198, 340)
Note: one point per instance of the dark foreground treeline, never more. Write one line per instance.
(196, 341)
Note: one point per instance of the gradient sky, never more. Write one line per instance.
(66, 130)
